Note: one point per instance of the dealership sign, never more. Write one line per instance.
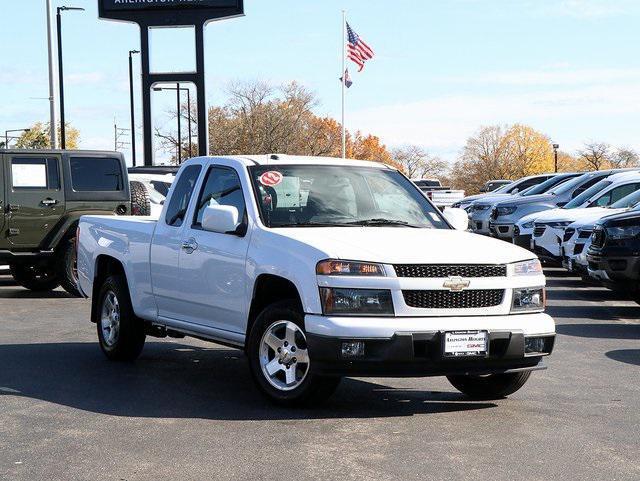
(169, 12)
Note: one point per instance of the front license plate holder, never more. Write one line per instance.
(465, 344)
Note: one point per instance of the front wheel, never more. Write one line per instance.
(493, 386)
(120, 332)
(36, 277)
(280, 361)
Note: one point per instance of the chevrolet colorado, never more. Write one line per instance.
(318, 268)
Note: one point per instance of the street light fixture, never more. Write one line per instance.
(555, 154)
(63, 140)
(179, 89)
(133, 126)
(7, 132)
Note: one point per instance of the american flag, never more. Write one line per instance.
(357, 50)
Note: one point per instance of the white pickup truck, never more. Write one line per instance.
(318, 268)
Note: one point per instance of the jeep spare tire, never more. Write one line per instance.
(140, 203)
(36, 277)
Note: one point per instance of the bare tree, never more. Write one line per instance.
(625, 157)
(595, 155)
(416, 162)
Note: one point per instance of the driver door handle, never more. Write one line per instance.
(189, 245)
(48, 201)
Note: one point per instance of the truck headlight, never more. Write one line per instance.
(627, 232)
(332, 267)
(528, 299)
(526, 268)
(528, 225)
(356, 302)
(506, 210)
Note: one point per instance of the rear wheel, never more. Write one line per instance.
(36, 277)
(120, 332)
(68, 268)
(279, 359)
(493, 386)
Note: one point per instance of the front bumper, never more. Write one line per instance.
(501, 231)
(414, 346)
(421, 354)
(615, 270)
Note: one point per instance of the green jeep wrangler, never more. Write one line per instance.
(42, 196)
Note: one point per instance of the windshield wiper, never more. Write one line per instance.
(313, 224)
(383, 222)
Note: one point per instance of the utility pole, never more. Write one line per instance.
(131, 98)
(53, 121)
(555, 155)
(118, 133)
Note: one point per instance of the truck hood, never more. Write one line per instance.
(483, 197)
(399, 245)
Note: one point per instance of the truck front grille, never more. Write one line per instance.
(440, 299)
(448, 270)
(538, 230)
(568, 234)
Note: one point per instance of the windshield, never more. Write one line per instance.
(326, 195)
(587, 194)
(629, 201)
(503, 188)
(547, 185)
(568, 186)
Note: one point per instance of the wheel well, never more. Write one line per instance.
(105, 266)
(267, 290)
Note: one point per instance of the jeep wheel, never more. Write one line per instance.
(68, 268)
(120, 332)
(140, 203)
(279, 360)
(493, 386)
(36, 277)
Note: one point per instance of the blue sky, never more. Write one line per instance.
(442, 68)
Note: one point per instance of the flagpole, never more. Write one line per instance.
(344, 80)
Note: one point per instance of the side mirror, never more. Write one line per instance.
(220, 219)
(458, 218)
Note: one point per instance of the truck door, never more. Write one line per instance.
(213, 275)
(34, 197)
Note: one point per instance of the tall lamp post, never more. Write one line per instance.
(181, 89)
(133, 123)
(63, 139)
(555, 155)
(53, 135)
(7, 132)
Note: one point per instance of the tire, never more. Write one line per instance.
(281, 319)
(67, 267)
(36, 277)
(120, 332)
(140, 203)
(494, 386)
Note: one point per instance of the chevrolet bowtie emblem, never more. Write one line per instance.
(456, 284)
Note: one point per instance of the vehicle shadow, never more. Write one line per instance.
(11, 290)
(181, 381)
(628, 356)
(605, 331)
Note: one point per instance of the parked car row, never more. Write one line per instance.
(589, 223)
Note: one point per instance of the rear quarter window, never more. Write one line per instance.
(102, 174)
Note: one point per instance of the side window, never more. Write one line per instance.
(528, 183)
(623, 191)
(35, 174)
(177, 208)
(91, 174)
(221, 187)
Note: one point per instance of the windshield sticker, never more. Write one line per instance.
(271, 178)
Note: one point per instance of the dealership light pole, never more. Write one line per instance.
(52, 83)
(7, 132)
(133, 126)
(555, 155)
(63, 139)
(182, 89)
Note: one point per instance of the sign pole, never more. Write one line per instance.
(344, 80)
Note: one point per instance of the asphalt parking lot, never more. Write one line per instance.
(188, 410)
